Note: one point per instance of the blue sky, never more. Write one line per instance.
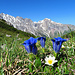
(61, 11)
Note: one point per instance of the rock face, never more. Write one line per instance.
(45, 27)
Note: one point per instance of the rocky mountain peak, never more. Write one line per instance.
(46, 19)
(45, 27)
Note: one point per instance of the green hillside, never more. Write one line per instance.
(14, 59)
(69, 35)
(9, 30)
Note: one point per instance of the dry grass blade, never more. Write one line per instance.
(17, 72)
(21, 71)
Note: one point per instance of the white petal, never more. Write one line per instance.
(53, 58)
(46, 58)
(47, 63)
(55, 61)
(50, 58)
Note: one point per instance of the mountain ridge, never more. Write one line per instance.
(45, 27)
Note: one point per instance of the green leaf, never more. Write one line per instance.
(37, 62)
(47, 69)
(7, 63)
(1, 69)
(30, 67)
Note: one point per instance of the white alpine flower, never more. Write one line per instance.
(50, 60)
(63, 46)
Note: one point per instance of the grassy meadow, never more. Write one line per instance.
(14, 59)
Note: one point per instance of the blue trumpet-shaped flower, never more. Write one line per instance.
(42, 41)
(57, 43)
(30, 45)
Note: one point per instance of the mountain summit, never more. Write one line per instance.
(45, 27)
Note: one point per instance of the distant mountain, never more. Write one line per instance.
(45, 27)
(6, 29)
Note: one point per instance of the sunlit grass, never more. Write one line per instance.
(16, 60)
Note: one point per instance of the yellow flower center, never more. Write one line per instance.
(63, 47)
(50, 61)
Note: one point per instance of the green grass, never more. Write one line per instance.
(14, 59)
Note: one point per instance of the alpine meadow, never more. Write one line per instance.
(22, 53)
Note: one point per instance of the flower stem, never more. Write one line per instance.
(43, 50)
(55, 54)
(31, 56)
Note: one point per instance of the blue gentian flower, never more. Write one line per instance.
(30, 45)
(42, 41)
(57, 43)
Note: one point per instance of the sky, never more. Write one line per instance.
(61, 11)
